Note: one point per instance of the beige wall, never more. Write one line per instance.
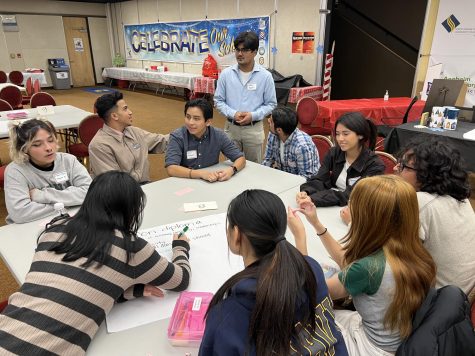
(291, 16)
(51, 7)
(99, 45)
(41, 34)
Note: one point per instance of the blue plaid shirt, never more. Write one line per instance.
(300, 154)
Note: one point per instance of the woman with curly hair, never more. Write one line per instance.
(436, 171)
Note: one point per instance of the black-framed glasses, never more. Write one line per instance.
(243, 50)
(402, 165)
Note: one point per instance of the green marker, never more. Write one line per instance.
(182, 232)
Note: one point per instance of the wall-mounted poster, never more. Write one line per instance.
(78, 45)
(308, 42)
(303, 42)
(297, 42)
(192, 41)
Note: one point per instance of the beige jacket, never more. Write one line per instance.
(127, 152)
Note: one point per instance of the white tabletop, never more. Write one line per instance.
(165, 205)
(64, 117)
(176, 79)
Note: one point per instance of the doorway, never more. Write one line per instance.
(79, 51)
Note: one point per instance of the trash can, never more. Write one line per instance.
(59, 73)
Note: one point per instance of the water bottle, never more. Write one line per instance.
(60, 210)
(386, 96)
(60, 214)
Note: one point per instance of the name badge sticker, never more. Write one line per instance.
(352, 181)
(136, 146)
(61, 177)
(252, 86)
(191, 154)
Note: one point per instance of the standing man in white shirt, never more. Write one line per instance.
(245, 95)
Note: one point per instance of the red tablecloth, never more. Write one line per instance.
(204, 85)
(376, 109)
(296, 94)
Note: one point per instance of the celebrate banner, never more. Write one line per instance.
(191, 42)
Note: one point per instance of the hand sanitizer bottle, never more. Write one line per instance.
(59, 208)
(386, 96)
(61, 214)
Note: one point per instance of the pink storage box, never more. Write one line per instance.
(187, 323)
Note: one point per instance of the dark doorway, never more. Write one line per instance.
(376, 46)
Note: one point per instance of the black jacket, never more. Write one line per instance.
(441, 326)
(319, 186)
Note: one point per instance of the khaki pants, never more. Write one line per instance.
(248, 139)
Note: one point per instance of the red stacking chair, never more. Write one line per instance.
(12, 95)
(29, 92)
(389, 161)
(36, 86)
(16, 77)
(42, 98)
(87, 130)
(2, 176)
(3, 305)
(5, 106)
(323, 145)
(307, 115)
(3, 77)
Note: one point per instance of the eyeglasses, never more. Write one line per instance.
(403, 165)
(243, 50)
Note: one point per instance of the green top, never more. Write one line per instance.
(364, 275)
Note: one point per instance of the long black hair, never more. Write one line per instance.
(283, 275)
(114, 202)
(362, 126)
(439, 167)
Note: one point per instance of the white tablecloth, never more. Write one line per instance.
(40, 76)
(3, 85)
(175, 79)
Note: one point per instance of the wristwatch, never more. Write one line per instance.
(235, 170)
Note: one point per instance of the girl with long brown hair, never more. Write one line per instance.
(384, 266)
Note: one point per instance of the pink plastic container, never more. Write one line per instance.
(187, 323)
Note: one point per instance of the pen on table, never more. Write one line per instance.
(182, 232)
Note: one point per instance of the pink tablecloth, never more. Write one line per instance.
(296, 94)
(204, 85)
(390, 111)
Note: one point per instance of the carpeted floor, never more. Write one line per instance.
(151, 112)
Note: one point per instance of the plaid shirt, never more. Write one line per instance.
(300, 154)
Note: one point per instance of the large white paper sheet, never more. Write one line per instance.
(211, 264)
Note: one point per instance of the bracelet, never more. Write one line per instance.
(191, 170)
(323, 233)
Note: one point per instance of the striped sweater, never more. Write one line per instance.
(61, 305)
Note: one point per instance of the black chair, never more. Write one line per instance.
(383, 130)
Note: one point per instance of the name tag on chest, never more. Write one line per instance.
(252, 86)
(191, 154)
(61, 177)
